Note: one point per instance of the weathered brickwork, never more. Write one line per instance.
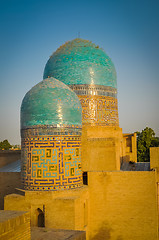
(14, 225)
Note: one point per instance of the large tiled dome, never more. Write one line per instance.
(87, 70)
(81, 62)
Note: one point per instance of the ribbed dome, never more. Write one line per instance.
(81, 62)
(50, 102)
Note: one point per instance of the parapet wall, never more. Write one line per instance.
(14, 225)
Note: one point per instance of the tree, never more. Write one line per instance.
(5, 145)
(146, 139)
(155, 142)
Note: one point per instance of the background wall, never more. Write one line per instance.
(123, 205)
(9, 156)
(8, 182)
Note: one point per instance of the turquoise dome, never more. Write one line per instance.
(50, 102)
(81, 62)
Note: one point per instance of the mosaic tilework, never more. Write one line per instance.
(51, 162)
(90, 73)
(81, 62)
(99, 110)
(92, 89)
(55, 129)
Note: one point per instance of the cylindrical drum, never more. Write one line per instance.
(51, 118)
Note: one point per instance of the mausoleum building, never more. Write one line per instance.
(79, 171)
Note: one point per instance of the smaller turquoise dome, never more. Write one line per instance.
(50, 102)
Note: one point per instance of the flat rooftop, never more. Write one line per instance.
(132, 166)
(12, 167)
(39, 233)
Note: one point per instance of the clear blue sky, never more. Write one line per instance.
(128, 31)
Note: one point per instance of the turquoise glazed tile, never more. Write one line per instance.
(50, 102)
(81, 62)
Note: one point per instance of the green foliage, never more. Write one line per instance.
(5, 145)
(146, 139)
(155, 142)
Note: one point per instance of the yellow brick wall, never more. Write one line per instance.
(61, 214)
(63, 209)
(16, 202)
(154, 164)
(130, 147)
(154, 157)
(14, 228)
(123, 206)
(115, 205)
(101, 148)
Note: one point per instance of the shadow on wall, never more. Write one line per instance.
(124, 159)
(104, 233)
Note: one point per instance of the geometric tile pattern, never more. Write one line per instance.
(51, 162)
(99, 110)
